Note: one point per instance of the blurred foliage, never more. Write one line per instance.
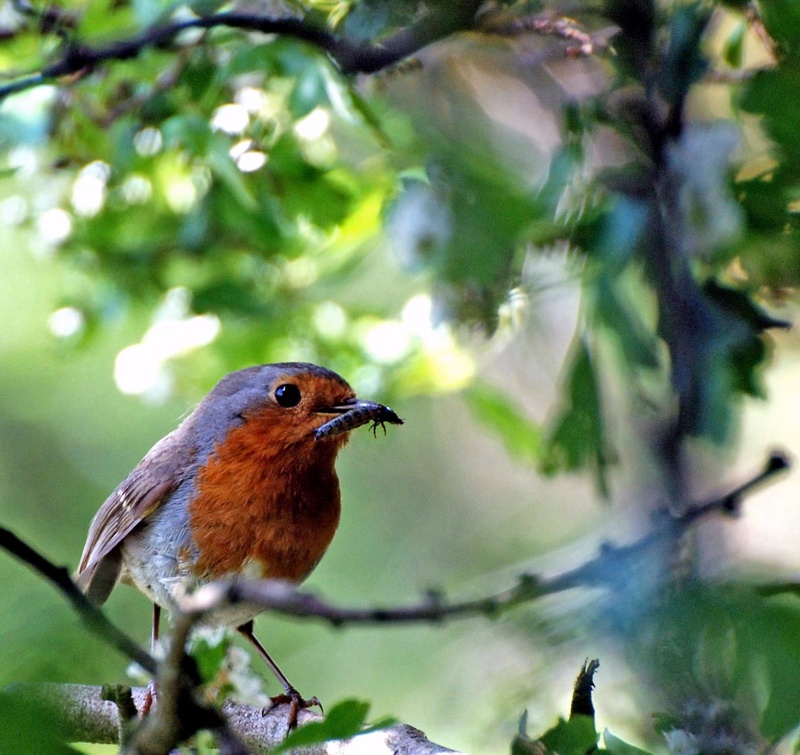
(237, 192)
(574, 736)
(251, 177)
(707, 647)
(710, 646)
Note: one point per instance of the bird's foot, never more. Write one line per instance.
(149, 698)
(296, 703)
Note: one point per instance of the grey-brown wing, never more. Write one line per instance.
(136, 498)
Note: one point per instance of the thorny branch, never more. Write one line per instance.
(581, 42)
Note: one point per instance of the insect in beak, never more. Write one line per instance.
(352, 415)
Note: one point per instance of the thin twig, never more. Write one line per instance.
(351, 57)
(753, 16)
(282, 597)
(729, 504)
(92, 616)
(611, 568)
(582, 42)
(181, 712)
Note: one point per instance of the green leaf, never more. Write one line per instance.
(200, 76)
(733, 49)
(782, 21)
(574, 737)
(209, 658)
(765, 203)
(369, 19)
(261, 58)
(775, 93)
(224, 168)
(310, 90)
(744, 323)
(638, 344)
(192, 132)
(615, 236)
(521, 437)
(732, 645)
(684, 62)
(577, 438)
(359, 105)
(105, 17)
(780, 588)
(345, 720)
(616, 746)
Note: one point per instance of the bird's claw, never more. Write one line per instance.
(296, 703)
(149, 698)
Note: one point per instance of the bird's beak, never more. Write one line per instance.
(353, 414)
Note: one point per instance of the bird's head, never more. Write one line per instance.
(295, 403)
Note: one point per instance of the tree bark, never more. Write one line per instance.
(86, 717)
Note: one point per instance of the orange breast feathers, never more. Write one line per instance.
(264, 501)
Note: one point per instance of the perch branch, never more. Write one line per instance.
(181, 710)
(87, 717)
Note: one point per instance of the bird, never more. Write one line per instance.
(246, 486)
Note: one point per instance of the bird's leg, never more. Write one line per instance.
(156, 628)
(150, 695)
(291, 695)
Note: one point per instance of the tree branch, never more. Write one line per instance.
(607, 569)
(92, 616)
(613, 568)
(181, 710)
(351, 57)
(88, 717)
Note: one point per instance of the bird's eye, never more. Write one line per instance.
(287, 395)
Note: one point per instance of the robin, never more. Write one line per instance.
(245, 486)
